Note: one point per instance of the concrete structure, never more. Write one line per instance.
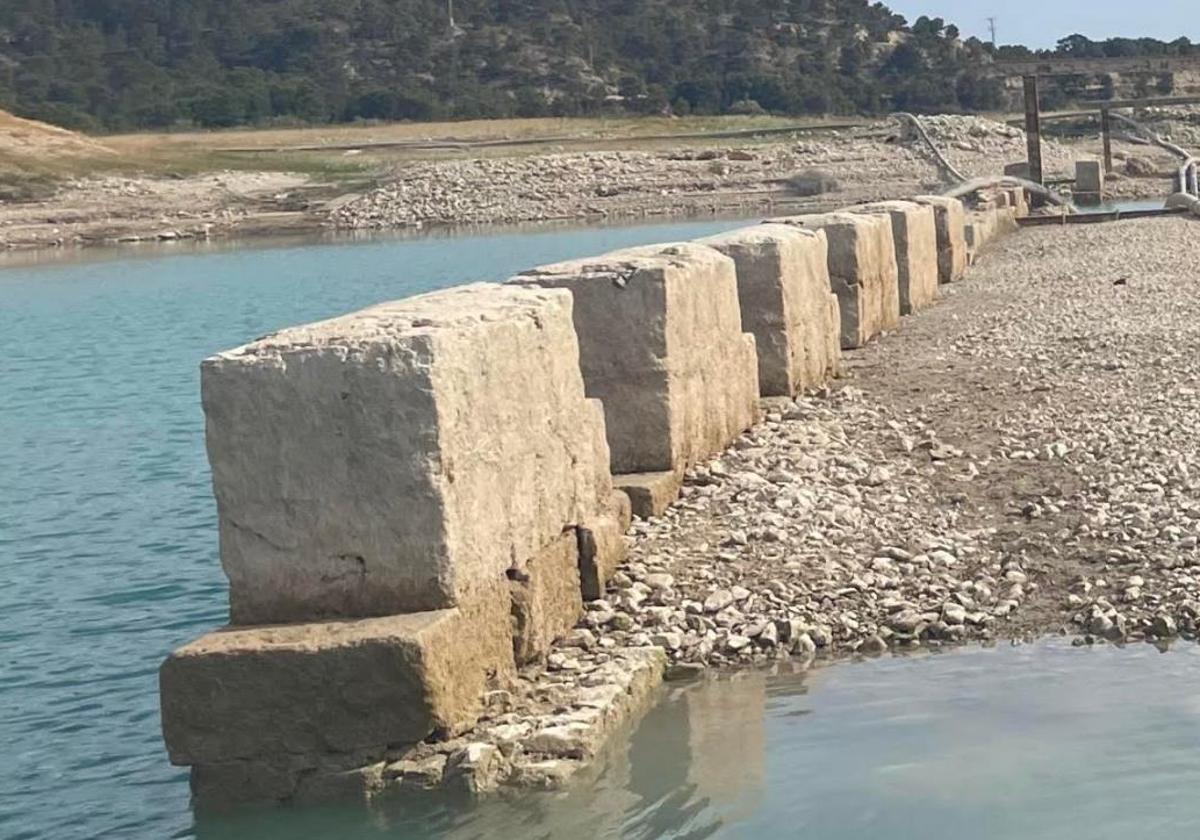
(862, 271)
(950, 220)
(787, 304)
(1089, 181)
(423, 486)
(662, 347)
(914, 234)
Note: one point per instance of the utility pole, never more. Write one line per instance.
(450, 13)
(992, 29)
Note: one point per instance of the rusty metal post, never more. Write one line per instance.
(1033, 129)
(1106, 130)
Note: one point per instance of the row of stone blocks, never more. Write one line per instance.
(416, 499)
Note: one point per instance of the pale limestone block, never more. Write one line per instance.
(950, 218)
(862, 271)
(784, 292)
(914, 234)
(662, 346)
(402, 457)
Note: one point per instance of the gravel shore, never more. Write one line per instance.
(1023, 459)
(867, 164)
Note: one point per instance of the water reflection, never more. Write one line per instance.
(1043, 741)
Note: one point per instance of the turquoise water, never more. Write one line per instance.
(108, 553)
(108, 560)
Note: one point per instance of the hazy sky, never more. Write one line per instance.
(1039, 23)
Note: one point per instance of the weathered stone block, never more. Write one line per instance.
(984, 226)
(546, 597)
(358, 463)
(602, 546)
(661, 345)
(784, 293)
(950, 219)
(334, 687)
(650, 494)
(914, 233)
(1089, 177)
(862, 271)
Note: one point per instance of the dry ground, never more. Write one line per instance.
(58, 188)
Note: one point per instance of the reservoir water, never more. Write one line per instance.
(108, 561)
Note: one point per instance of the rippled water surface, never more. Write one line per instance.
(108, 561)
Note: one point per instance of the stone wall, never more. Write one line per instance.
(862, 271)
(416, 500)
(787, 303)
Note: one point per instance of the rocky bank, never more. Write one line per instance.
(1021, 460)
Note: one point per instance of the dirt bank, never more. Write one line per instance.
(171, 187)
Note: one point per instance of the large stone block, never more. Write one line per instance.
(330, 688)
(985, 225)
(547, 597)
(661, 345)
(862, 271)
(400, 458)
(785, 294)
(914, 233)
(950, 218)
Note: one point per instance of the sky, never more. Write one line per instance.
(1040, 23)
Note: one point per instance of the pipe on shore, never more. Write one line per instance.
(1186, 178)
(944, 163)
(976, 184)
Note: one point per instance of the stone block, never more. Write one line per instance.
(1017, 169)
(661, 345)
(950, 219)
(914, 234)
(1089, 177)
(984, 226)
(650, 494)
(357, 461)
(784, 293)
(1019, 201)
(862, 271)
(333, 687)
(602, 546)
(546, 598)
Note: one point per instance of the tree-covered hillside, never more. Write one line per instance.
(118, 64)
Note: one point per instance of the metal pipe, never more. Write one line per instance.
(976, 184)
(946, 167)
(1186, 179)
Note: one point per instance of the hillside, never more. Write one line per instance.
(117, 64)
(135, 64)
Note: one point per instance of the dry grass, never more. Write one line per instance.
(35, 156)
